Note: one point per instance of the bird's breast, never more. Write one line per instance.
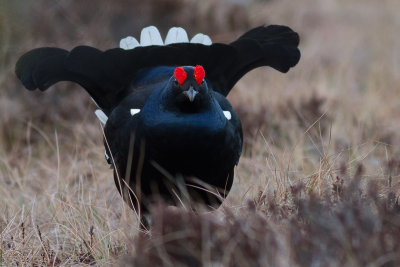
(186, 137)
(185, 143)
(190, 127)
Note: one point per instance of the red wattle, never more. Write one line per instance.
(199, 74)
(180, 75)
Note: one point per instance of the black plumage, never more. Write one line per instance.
(160, 141)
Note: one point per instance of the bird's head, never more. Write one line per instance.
(188, 86)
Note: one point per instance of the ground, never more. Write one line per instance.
(318, 181)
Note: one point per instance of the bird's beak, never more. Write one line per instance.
(191, 93)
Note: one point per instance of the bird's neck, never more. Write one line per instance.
(181, 104)
(161, 109)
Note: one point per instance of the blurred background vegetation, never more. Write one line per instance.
(337, 110)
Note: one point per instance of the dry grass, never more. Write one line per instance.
(300, 196)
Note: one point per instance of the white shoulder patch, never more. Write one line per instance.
(134, 111)
(150, 36)
(106, 155)
(128, 43)
(101, 116)
(227, 114)
(201, 39)
(176, 35)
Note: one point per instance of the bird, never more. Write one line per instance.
(169, 131)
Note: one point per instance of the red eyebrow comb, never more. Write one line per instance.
(180, 75)
(199, 74)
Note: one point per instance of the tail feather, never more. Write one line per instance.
(107, 75)
(42, 67)
(30, 63)
(275, 46)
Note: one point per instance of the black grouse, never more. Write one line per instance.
(169, 130)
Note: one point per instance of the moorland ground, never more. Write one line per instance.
(318, 181)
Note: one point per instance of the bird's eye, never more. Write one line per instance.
(176, 82)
